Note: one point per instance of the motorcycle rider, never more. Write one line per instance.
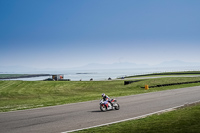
(106, 99)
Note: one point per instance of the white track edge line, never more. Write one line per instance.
(134, 118)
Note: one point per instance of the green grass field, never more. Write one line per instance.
(185, 120)
(19, 95)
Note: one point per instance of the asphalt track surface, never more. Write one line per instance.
(68, 117)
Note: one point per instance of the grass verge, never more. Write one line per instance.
(184, 120)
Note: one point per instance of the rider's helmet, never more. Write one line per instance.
(103, 95)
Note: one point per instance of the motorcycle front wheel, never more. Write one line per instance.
(103, 108)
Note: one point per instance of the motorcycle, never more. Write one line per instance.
(109, 105)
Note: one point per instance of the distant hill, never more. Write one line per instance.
(127, 65)
(120, 65)
(177, 63)
(124, 65)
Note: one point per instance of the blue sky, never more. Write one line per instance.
(72, 33)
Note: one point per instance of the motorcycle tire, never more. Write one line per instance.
(117, 107)
(103, 108)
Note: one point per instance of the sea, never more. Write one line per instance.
(104, 74)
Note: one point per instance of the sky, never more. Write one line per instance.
(73, 33)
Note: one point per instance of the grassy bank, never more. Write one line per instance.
(167, 74)
(5, 76)
(18, 95)
(14, 76)
(185, 120)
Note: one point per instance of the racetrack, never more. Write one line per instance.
(81, 115)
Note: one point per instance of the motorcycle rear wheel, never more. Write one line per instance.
(117, 107)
